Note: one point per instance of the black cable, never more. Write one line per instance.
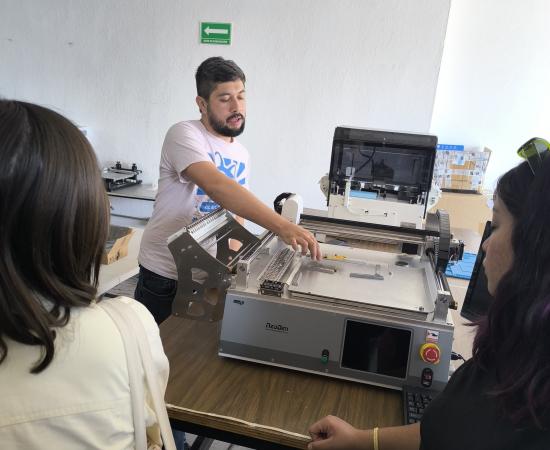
(369, 159)
(455, 356)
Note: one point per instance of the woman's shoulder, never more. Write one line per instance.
(151, 329)
(470, 377)
(137, 308)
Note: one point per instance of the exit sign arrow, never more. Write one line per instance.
(209, 30)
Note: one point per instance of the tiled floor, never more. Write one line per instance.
(216, 445)
(125, 289)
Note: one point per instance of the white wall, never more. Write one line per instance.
(494, 86)
(126, 70)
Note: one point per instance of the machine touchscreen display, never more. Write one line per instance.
(376, 349)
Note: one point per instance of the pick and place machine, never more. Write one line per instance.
(375, 310)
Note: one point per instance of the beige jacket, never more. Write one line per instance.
(82, 399)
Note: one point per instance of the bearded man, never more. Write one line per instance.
(203, 166)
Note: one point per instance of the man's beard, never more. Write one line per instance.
(221, 128)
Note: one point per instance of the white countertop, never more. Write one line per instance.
(138, 191)
(126, 267)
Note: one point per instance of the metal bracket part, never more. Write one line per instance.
(203, 278)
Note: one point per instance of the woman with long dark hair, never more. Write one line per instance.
(64, 381)
(499, 399)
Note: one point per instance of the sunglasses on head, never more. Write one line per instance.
(533, 151)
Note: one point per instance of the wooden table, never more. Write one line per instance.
(255, 405)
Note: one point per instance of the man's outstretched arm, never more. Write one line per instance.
(232, 196)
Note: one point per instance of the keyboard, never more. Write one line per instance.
(415, 401)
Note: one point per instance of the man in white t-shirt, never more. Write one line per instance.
(203, 166)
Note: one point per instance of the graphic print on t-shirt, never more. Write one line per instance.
(233, 169)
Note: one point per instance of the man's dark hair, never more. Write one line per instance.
(54, 223)
(214, 71)
(513, 338)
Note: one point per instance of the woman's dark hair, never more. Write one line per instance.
(214, 71)
(514, 337)
(53, 225)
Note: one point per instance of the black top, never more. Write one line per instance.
(464, 416)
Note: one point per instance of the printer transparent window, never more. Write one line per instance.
(386, 165)
(376, 349)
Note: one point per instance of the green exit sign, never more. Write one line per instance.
(215, 33)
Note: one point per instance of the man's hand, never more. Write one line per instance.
(332, 433)
(297, 236)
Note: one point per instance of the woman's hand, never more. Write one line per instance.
(335, 434)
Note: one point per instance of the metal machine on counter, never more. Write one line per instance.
(118, 177)
(375, 315)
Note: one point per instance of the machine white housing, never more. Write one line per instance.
(292, 209)
(380, 177)
(355, 207)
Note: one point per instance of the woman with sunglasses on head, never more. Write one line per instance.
(499, 399)
(64, 382)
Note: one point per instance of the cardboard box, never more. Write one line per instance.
(461, 178)
(116, 246)
(462, 170)
(468, 165)
(469, 211)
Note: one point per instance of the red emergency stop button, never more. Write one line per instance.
(430, 353)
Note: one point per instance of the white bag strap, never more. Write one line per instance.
(138, 351)
(152, 381)
(134, 374)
